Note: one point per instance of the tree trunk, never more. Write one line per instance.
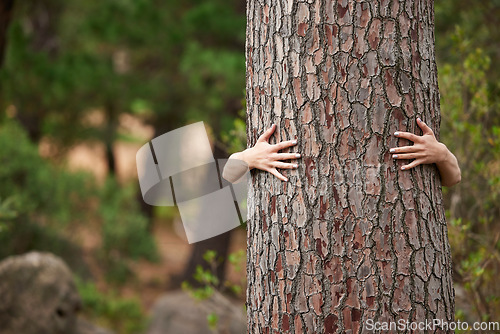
(220, 244)
(109, 135)
(6, 7)
(43, 18)
(350, 239)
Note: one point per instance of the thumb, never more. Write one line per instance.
(426, 130)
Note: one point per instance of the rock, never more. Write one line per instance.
(38, 296)
(178, 313)
(85, 327)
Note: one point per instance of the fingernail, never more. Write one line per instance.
(395, 156)
(396, 133)
(286, 180)
(297, 155)
(392, 150)
(418, 119)
(294, 142)
(403, 168)
(295, 166)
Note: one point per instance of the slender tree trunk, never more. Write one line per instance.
(350, 238)
(43, 18)
(220, 244)
(6, 7)
(109, 136)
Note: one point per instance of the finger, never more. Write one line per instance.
(278, 174)
(425, 129)
(406, 156)
(407, 135)
(413, 164)
(284, 144)
(405, 149)
(287, 156)
(284, 165)
(267, 134)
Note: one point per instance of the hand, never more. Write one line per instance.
(427, 150)
(265, 156)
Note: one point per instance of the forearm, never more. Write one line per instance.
(235, 167)
(448, 168)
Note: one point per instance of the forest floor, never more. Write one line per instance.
(150, 280)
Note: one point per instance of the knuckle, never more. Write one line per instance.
(411, 149)
(272, 149)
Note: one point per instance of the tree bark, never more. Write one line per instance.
(350, 238)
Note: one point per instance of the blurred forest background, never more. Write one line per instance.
(84, 84)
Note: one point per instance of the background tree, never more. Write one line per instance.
(176, 61)
(350, 237)
(468, 62)
(5, 17)
(166, 65)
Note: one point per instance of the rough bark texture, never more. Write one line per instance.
(350, 237)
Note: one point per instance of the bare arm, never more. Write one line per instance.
(427, 150)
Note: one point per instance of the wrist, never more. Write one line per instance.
(246, 156)
(444, 154)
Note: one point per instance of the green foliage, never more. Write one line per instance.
(235, 139)
(208, 278)
(210, 286)
(170, 62)
(35, 209)
(7, 212)
(124, 227)
(470, 128)
(110, 310)
(125, 232)
(28, 181)
(212, 320)
(42, 200)
(173, 61)
(236, 259)
(31, 197)
(166, 63)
